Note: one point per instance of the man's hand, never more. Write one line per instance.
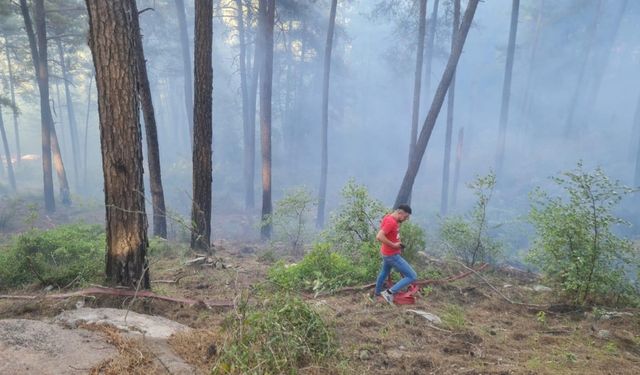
(398, 245)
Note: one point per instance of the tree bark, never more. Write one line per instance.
(258, 61)
(13, 101)
(431, 36)
(151, 131)
(113, 45)
(322, 194)
(73, 125)
(436, 105)
(45, 111)
(417, 82)
(506, 87)
(186, 64)
(248, 131)
(444, 195)
(268, 14)
(7, 154)
(456, 173)
(202, 133)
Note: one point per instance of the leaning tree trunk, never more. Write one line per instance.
(444, 196)
(45, 111)
(506, 87)
(7, 153)
(202, 128)
(436, 105)
(456, 173)
(417, 82)
(267, 16)
(322, 194)
(13, 100)
(153, 149)
(114, 47)
(73, 125)
(248, 130)
(431, 37)
(186, 64)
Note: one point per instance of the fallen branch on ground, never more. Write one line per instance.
(122, 293)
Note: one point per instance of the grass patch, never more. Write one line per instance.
(453, 318)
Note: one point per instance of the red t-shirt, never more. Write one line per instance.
(391, 230)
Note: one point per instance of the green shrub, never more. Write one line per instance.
(414, 240)
(467, 238)
(56, 256)
(278, 337)
(575, 245)
(320, 270)
(291, 217)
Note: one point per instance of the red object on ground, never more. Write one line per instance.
(403, 298)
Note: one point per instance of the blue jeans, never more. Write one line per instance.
(399, 264)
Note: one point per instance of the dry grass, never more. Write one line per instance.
(197, 347)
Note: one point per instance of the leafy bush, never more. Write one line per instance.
(467, 238)
(575, 245)
(320, 270)
(58, 256)
(414, 240)
(291, 218)
(278, 337)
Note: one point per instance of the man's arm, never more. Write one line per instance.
(382, 237)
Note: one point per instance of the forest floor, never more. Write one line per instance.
(482, 332)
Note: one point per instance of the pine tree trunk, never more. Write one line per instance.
(436, 105)
(431, 37)
(506, 87)
(417, 82)
(267, 15)
(456, 173)
(151, 131)
(202, 127)
(322, 195)
(258, 61)
(13, 101)
(248, 131)
(73, 125)
(45, 112)
(526, 101)
(186, 64)
(113, 45)
(444, 195)
(7, 154)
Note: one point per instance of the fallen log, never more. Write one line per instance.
(93, 291)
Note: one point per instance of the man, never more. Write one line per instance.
(389, 236)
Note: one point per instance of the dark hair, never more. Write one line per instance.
(405, 208)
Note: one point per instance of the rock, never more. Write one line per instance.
(542, 288)
(395, 354)
(364, 355)
(603, 334)
(147, 325)
(35, 347)
(507, 286)
(430, 317)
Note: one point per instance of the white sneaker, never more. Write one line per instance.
(387, 296)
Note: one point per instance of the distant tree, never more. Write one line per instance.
(436, 105)
(186, 63)
(113, 43)
(456, 173)
(444, 195)
(417, 82)
(322, 195)
(636, 125)
(151, 130)
(431, 37)
(506, 86)
(202, 132)
(14, 108)
(267, 9)
(526, 101)
(7, 151)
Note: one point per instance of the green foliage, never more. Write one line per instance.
(357, 221)
(58, 256)
(291, 218)
(320, 270)
(453, 318)
(414, 240)
(575, 245)
(467, 238)
(160, 247)
(278, 337)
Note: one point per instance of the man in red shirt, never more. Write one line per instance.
(389, 236)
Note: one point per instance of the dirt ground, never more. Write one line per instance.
(482, 333)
